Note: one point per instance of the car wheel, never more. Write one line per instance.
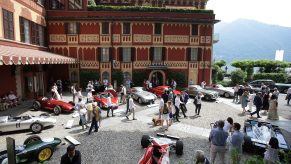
(145, 141)
(248, 144)
(44, 154)
(227, 95)
(179, 147)
(36, 105)
(36, 127)
(57, 110)
(44, 115)
(31, 139)
(139, 100)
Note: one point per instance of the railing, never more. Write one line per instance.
(158, 39)
(126, 65)
(194, 40)
(105, 39)
(105, 65)
(73, 39)
(126, 38)
(176, 64)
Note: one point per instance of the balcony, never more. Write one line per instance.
(158, 65)
(157, 39)
(105, 39)
(72, 39)
(194, 40)
(126, 38)
(105, 65)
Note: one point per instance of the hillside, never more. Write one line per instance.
(247, 39)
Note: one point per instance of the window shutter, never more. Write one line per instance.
(110, 54)
(199, 54)
(99, 54)
(78, 27)
(151, 53)
(66, 28)
(188, 54)
(121, 54)
(163, 53)
(132, 54)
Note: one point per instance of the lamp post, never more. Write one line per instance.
(225, 69)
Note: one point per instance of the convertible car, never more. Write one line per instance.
(35, 124)
(258, 134)
(34, 148)
(158, 148)
(142, 96)
(57, 106)
(226, 92)
(193, 90)
(161, 90)
(101, 98)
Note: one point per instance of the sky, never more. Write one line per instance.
(277, 12)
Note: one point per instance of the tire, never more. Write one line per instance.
(36, 127)
(248, 145)
(179, 147)
(36, 105)
(227, 95)
(57, 110)
(44, 115)
(44, 154)
(31, 139)
(139, 101)
(145, 141)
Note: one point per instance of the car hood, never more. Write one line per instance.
(146, 95)
(207, 91)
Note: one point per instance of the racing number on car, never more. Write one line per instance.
(18, 125)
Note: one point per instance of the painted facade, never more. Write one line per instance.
(155, 43)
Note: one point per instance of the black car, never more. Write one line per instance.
(271, 84)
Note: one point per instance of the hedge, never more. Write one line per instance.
(86, 76)
(277, 77)
(146, 9)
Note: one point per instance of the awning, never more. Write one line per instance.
(15, 55)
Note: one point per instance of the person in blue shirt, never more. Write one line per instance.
(237, 139)
(218, 142)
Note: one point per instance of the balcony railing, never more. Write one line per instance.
(194, 40)
(105, 39)
(157, 39)
(73, 39)
(126, 38)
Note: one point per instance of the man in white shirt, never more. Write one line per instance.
(109, 105)
(177, 106)
(203, 83)
(132, 107)
(288, 96)
(122, 94)
(90, 96)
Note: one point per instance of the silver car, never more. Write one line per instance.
(142, 96)
(226, 92)
(35, 124)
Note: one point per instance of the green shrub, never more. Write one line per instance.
(93, 7)
(118, 76)
(254, 160)
(220, 75)
(225, 83)
(179, 77)
(238, 76)
(138, 77)
(86, 76)
(277, 77)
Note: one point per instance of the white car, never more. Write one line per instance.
(223, 91)
(142, 96)
(35, 124)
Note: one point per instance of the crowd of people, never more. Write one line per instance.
(9, 100)
(263, 99)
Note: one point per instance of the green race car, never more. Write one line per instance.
(33, 148)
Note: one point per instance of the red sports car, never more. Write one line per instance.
(101, 98)
(57, 106)
(161, 90)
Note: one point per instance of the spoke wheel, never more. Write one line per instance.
(36, 127)
(36, 105)
(226, 95)
(45, 154)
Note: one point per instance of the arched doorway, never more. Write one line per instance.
(157, 77)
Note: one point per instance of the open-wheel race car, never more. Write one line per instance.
(34, 148)
(158, 148)
(101, 98)
(34, 123)
(57, 106)
(258, 134)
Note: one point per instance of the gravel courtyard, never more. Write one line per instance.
(118, 140)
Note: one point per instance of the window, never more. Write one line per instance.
(75, 4)
(105, 28)
(41, 2)
(34, 33)
(24, 30)
(158, 28)
(157, 54)
(104, 54)
(194, 29)
(8, 23)
(126, 54)
(57, 4)
(194, 54)
(126, 28)
(72, 28)
(41, 35)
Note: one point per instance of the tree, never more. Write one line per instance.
(220, 63)
(86, 76)
(238, 76)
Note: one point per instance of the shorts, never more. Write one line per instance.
(165, 116)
